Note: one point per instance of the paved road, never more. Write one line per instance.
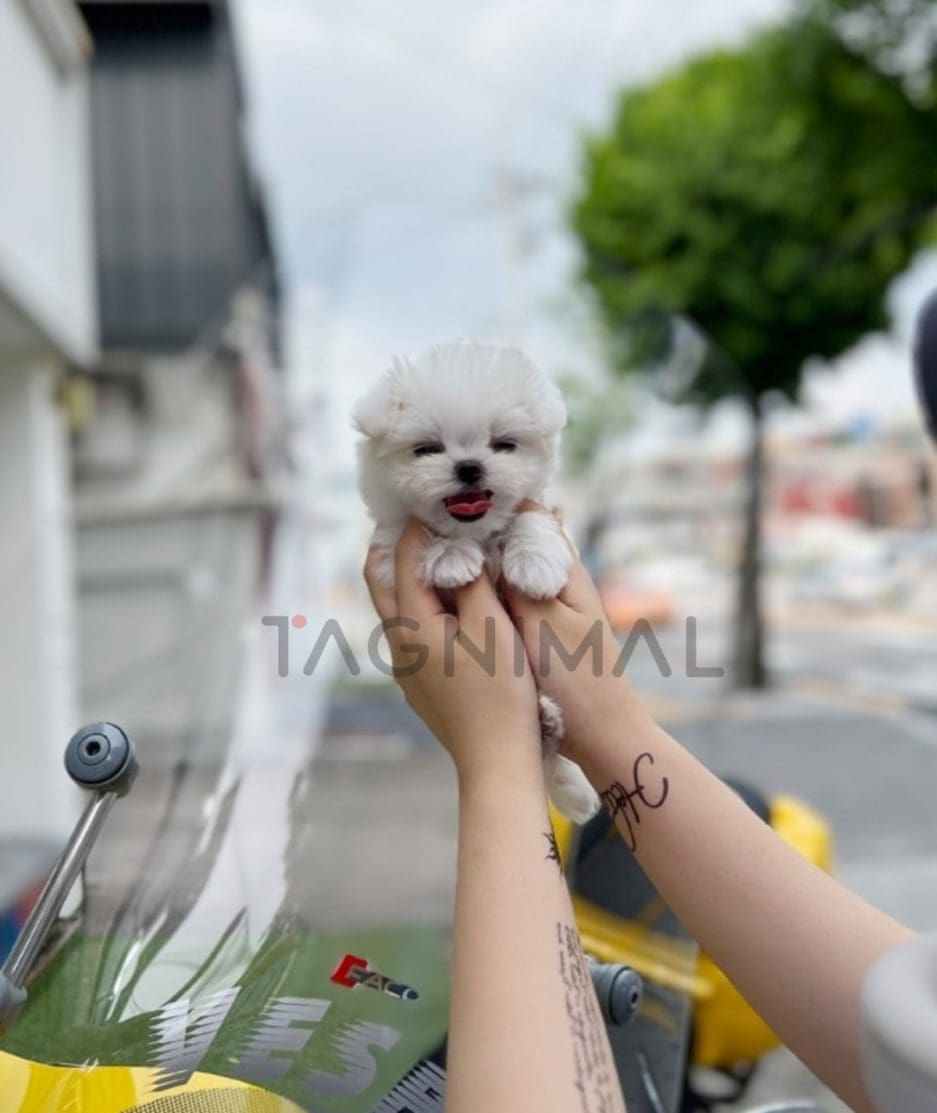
(873, 776)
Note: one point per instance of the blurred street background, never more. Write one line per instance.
(714, 225)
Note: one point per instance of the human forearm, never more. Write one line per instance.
(795, 942)
(525, 1028)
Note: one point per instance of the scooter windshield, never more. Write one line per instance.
(263, 927)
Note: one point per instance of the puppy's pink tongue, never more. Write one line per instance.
(469, 503)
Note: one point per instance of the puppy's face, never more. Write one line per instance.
(458, 438)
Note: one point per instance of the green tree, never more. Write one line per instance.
(768, 195)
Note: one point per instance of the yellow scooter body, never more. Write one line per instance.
(27, 1087)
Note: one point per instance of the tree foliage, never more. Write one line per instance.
(769, 194)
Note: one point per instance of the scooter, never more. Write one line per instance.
(101, 758)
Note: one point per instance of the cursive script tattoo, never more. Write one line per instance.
(622, 801)
(594, 1077)
(553, 851)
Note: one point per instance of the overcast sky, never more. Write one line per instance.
(420, 158)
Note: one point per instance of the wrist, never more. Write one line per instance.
(602, 717)
(613, 730)
(501, 771)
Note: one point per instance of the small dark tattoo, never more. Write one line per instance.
(620, 801)
(553, 851)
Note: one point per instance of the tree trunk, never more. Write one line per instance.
(750, 669)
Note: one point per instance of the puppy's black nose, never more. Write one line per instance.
(468, 471)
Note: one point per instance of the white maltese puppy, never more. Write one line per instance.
(457, 439)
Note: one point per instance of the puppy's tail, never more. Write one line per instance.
(568, 788)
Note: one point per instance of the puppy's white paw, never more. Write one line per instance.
(536, 557)
(534, 573)
(569, 790)
(452, 562)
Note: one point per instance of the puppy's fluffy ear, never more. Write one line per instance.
(376, 412)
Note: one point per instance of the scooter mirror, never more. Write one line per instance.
(925, 362)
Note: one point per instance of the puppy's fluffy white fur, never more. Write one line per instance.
(489, 408)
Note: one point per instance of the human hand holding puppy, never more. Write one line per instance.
(573, 653)
(486, 719)
(476, 707)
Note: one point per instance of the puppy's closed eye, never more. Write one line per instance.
(504, 444)
(430, 448)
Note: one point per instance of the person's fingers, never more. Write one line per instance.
(521, 606)
(579, 592)
(475, 603)
(382, 595)
(415, 598)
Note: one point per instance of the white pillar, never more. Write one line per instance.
(37, 685)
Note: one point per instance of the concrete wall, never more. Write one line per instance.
(47, 318)
(161, 619)
(37, 689)
(46, 261)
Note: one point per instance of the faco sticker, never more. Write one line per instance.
(352, 971)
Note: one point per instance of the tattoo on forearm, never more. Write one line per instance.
(593, 1072)
(622, 801)
(553, 851)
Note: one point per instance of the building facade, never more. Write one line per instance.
(47, 324)
(178, 445)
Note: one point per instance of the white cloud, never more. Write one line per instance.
(568, 58)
